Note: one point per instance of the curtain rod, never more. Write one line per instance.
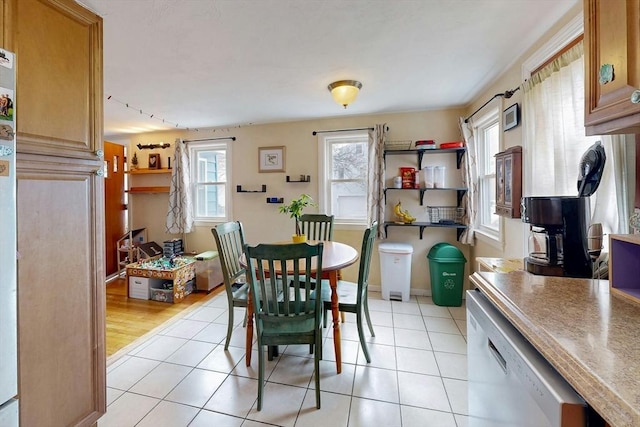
(315, 132)
(507, 94)
(233, 138)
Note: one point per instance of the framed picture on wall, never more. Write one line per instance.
(154, 161)
(511, 117)
(271, 159)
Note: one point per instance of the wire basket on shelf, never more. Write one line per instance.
(445, 214)
(398, 145)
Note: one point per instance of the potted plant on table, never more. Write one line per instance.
(294, 209)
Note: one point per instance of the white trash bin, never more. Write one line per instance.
(395, 270)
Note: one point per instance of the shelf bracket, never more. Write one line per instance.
(461, 194)
(459, 154)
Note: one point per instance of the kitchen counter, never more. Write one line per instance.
(591, 337)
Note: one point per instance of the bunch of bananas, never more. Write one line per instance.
(403, 216)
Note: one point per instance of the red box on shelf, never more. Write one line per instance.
(408, 177)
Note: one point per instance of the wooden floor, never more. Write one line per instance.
(128, 319)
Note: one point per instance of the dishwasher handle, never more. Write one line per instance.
(496, 355)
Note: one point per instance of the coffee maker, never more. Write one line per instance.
(558, 240)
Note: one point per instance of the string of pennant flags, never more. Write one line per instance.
(165, 121)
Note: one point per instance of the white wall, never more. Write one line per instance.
(263, 222)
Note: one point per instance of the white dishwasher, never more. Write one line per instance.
(510, 383)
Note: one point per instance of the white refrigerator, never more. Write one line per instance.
(8, 246)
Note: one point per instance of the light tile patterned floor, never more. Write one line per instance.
(181, 375)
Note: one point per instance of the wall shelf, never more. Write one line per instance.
(420, 153)
(145, 171)
(240, 190)
(459, 190)
(141, 190)
(422, 225)
(303, 178)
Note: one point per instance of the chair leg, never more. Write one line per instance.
(366, 313)
(363, 343)
(229, 328)
(260, 374)
(246, 316)
(316, 359)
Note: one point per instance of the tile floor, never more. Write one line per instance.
(181, 375)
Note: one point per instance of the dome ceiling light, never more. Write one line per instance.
(344, 92)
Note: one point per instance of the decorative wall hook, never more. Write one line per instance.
(150, 146)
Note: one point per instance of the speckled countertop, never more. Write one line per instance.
(591, 337)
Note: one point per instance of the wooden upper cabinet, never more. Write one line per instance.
(509, 182)
(58, 46)
(612, 37)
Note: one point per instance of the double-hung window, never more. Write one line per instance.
(344, 176)
(210, 172)
(487, 131)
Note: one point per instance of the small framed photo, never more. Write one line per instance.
(271, 159)
(154, 161)
(511, 117)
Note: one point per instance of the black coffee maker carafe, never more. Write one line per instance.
(558, 240)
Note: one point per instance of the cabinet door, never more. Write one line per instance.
(58, 46)
(61, 298)
(612, 36)
(3, 27)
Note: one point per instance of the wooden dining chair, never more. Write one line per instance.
(353, 297)
(317, 226)
(285, 318)
(229, 239)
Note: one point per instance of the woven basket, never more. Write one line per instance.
(398, 145)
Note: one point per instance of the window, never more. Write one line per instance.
(210, 169)
(343, 179)
(487, 130)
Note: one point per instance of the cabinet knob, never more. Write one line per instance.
(100, 172)
(635, 97)
(100, 154)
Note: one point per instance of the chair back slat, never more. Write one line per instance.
(317, 226)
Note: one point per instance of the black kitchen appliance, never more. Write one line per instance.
(558, 240)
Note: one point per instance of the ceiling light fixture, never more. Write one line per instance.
(344, 92)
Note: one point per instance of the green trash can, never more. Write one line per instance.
(446, 264)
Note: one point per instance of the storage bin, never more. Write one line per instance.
(395, 270)
(162, 295)
(208, 271)
(139, 287)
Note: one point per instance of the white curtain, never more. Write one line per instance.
(613, 202)
(180, 213)
(553, 111)
(375, 197)
(469, 170)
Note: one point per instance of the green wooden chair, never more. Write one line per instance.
(353, 297)
(285, 318)
(317, 226)
(229, 239)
